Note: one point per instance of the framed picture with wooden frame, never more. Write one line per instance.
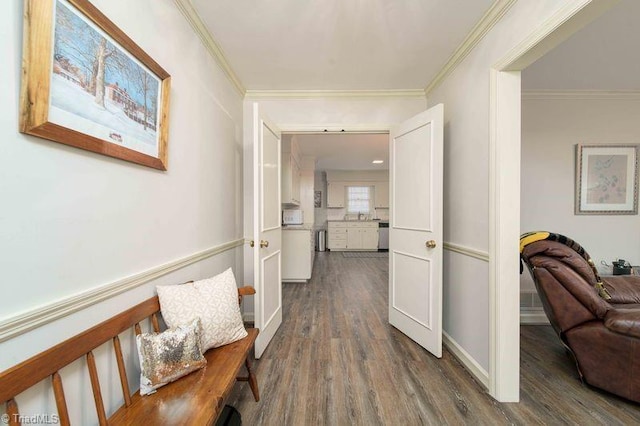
(85, 83)
(606, 179)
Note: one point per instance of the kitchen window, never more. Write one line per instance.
(358, 199)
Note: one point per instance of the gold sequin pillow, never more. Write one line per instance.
(167, 356)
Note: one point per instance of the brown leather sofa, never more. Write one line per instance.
(597, 319)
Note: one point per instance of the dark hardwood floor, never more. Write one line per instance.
(336, 361)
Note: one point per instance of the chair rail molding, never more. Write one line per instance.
(41, 315)
(467, 251)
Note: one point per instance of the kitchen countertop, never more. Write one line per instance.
(297, 227)
(356, 221)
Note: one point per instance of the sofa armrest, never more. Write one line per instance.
(623, 288)
(623, 321)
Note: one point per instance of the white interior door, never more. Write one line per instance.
(267, 231)
(415, 229)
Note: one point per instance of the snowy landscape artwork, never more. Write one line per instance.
(98, 88)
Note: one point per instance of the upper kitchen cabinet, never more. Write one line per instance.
(335, 195)
(290, 173)
(382, 195)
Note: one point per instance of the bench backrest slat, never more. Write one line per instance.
(12, 411)
(95, 386)
(26, 374)
(155, 323)
(122, 371)
(61, 402)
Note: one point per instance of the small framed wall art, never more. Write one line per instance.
(606, 179)
(85, 83)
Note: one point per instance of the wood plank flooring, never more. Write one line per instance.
(336, 361)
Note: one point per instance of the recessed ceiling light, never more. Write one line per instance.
(378, 161)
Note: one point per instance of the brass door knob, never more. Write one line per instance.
(264, 243)
(431, 244)
(252, 243)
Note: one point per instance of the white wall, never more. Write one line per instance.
(71, 220)
(465, 95)
(550, 130)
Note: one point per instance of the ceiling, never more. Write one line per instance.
(395, 45)
(339, 44)
(346, 151)
(602, 56)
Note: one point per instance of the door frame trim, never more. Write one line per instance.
(504, 187)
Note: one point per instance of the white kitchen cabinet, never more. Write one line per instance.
(369, 238)
(335, 195)
(290, 180)
(382, 195)
(353, 236)
(337, 236)
(298, 252)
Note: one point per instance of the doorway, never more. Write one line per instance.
(505, 172)
(361, 158)
(415, 201)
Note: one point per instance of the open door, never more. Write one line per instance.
(415, 228)
(267, 231)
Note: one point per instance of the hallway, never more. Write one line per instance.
(336, 361)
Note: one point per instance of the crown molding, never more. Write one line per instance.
(622, 95)
(317, 94)
(210, 44)
(497, 10)
(561, 25)
(39, 316)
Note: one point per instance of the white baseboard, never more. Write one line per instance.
(467, 360)
(248, 317)
(533, 318)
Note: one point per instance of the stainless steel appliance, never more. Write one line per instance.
(383, 235)
(292, 217)
(322, 240)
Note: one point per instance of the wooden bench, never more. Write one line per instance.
(195, 399)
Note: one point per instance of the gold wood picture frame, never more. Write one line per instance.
(85, 83)
(606, 179)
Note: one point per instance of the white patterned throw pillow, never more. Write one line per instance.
(213, 300)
